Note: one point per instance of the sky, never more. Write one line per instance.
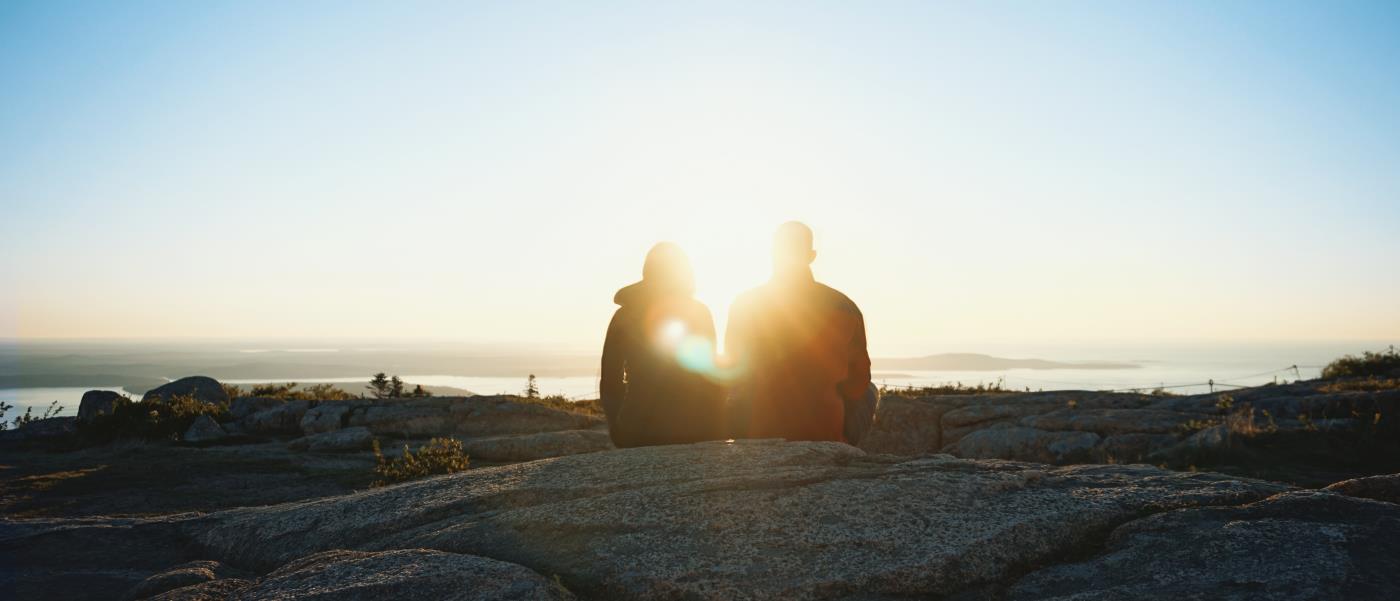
(975, 173)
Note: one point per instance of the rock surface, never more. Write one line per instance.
(477, 416)
(733, 521)
(1299, 545)
(183, 575)
(1015, 442)
(530, 447)
(349, 439)
(201, 388)
(281, 417)
(97, 402)
(50, 428)
(402, 574)
(748, 520)
(204, 430)
(325, 417)
(1381, 488)
(214, 590)
(1129, 427)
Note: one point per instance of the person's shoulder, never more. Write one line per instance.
(748, 297)
(694, 307)
(838, 299)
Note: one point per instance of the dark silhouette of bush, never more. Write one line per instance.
(997, 387)
(149, 420)
(23, 420)
(1368, 364)
(438, 456)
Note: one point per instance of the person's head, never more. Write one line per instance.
(667, 269)
(792, 249)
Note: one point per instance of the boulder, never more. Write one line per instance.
(529, 447)
(324, 417)
(282, 418)
(402, 574)
(1132, 448)
(905, 426)
(245, 406)
(349, 439)
(186, 574)
(994, 410)
(203, 430)
(1206, 440)
(744, 520)
(201, 388)
(98, 402)
(1297, 545)
(1381, 488)
(1026, 444)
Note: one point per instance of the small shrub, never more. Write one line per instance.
(563, 403)
(1380, 364)
(1224, 402)
(1196, 425)
(290, 391)
(1307, 422)
(1370, 384)
(438, 456)
(23, 420)
(997, 387)
(149, 420)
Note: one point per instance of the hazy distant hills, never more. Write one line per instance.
(979, 362)
(138, 366)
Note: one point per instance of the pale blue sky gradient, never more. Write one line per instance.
(1020, 171)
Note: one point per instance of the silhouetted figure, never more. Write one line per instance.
(659, 342)
(799, 346)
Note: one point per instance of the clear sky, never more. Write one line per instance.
(1010, 172)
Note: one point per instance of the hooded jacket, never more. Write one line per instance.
(649, 394)
(800, 349)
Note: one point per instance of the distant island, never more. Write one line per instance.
(980, 362)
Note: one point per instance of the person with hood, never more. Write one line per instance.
(799, 348)
(660, 344)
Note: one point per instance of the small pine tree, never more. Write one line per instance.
(379, 385)
(532, 389)
(396, 387)
(420, 392)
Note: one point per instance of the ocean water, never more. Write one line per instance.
(1181, 369)
(39, 399)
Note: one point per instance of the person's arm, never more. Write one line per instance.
(858, 369)
(612, 388)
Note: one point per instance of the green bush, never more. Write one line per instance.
(438, 456)
(149, 420)
(288, 391)
(1368, 364)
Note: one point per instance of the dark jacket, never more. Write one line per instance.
(649, 394)
(800, 350)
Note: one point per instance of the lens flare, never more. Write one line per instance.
(673, 332)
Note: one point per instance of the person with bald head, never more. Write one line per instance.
(799, 351)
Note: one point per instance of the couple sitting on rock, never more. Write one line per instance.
(796, 365)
